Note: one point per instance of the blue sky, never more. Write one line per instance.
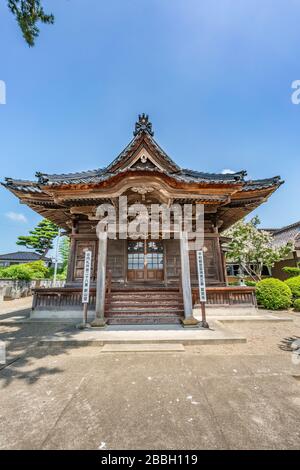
(215, 77)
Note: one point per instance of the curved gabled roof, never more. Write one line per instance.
(143, 138)
(99, 175)
(142, 157)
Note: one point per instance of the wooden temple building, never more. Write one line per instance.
(134, 280)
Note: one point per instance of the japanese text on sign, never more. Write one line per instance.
(201, 276)
(86, 277)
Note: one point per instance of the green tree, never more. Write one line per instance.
(64, 249)
(40, 238)
(252, 248)
(28, 14)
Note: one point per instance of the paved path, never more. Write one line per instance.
(208, 397)
(18, 309)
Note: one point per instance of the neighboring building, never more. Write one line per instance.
(234, 273)
(281, 236)
(21, 257)
(141, 281)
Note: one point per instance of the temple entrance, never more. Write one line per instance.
(145, 260)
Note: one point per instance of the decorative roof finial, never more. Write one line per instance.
(143, 125)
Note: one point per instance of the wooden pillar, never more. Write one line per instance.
(72, 252)
(71, 260)
(188, 320)
(101, 281)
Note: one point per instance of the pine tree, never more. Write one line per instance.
(28, 14)
(40, 238)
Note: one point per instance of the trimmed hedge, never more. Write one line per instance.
(291, 271)
(294, 285)
(273, 294)
(297, 305)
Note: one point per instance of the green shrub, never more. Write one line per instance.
(291, 272)
(294, 285)
(62, 275)
(38, 269)
(26, 271)
(297, 305)
(17, 271)
(250, 283)
(273, 294)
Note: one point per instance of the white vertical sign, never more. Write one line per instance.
(201, 276)
(86, 277)
(2, 352)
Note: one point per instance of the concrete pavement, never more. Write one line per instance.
(227, 396)
(81, 399)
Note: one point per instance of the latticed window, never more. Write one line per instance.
(155, 261)
(148, 254)
(136, 260)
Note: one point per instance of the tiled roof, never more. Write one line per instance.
(215, 177)
(22, 256)
(289, 233)
(90, 176)
(251, 185)
(97, 176)
(22, 185)
(148, 138)
(143, 136)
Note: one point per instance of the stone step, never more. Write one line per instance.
(143, 320)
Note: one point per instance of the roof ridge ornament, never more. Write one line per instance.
(143, 125)
(42, 178)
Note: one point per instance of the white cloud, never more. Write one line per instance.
(227, 171)
(16, 217)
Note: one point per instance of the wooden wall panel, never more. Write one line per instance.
(80, 247)
(117, 259)
(212, 261)
(172, 261)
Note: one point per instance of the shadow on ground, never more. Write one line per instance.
(23, 349)
(286, 343)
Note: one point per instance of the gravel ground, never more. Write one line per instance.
(265, 338)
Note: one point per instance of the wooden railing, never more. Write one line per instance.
(69, 298)
(230, 295)
(66, 298)
(60, 298)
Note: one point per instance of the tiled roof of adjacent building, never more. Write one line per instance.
(289, 233)
(22, 256)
